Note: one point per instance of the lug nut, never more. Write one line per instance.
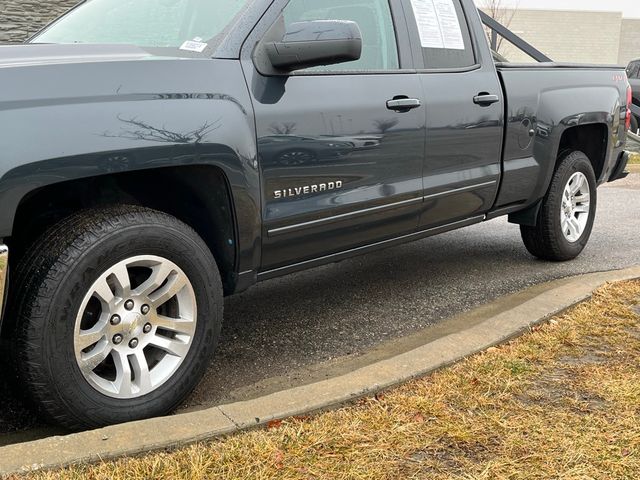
(115, 320)
(145, 309)
(133, 343)
(129, 304)
(147, 328)
(117, 339)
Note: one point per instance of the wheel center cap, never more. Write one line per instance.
(132, 325)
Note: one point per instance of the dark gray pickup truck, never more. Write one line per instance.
(156, 155)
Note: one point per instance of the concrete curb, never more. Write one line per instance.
(169, 432)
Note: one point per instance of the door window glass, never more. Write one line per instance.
(444, 33)
(379, 48)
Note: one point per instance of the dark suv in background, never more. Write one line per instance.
(633, 72)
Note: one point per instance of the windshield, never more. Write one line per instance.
(145, 23)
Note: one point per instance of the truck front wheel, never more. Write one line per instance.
(567, 214)
(117, 314)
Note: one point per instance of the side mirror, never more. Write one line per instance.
(317, 43)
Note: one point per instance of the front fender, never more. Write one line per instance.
(66, 122)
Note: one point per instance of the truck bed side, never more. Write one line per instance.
(547, 107)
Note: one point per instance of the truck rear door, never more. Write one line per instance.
(463, 106)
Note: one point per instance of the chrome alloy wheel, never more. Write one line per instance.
(574, 213)
(135, 327)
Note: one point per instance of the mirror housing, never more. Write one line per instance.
(316, 43)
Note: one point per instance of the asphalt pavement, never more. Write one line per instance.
(315, 324)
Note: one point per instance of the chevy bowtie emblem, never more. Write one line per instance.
(307, 189)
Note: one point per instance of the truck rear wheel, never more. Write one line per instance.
(567, 214)
(117, 315)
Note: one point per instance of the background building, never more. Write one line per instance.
(575, 36)
(19, 19)
(564, 35)
(629, 40)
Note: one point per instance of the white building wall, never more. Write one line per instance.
(629, 41)
(568, 36)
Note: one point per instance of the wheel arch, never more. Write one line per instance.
(591, 139)
(199, 195)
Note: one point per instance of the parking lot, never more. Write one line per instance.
(320, 323)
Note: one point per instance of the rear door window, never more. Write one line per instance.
(443, 32)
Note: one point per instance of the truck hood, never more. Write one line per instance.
(68, 101)
(41, 54)
(86, 73)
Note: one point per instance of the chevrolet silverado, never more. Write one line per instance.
(157, 155)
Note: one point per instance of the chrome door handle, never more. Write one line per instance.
(485, 99)
(403, 104)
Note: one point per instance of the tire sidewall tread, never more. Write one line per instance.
(73, 254)
(546, 240)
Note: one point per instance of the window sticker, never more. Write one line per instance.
(438, 24)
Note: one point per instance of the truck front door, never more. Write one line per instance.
(341, 162)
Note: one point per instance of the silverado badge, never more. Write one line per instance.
(307, 189)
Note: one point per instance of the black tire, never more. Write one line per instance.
(50, 284)
(546, 240)
(634, 125)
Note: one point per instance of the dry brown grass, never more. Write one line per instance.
(562, 402)
(634, 159)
